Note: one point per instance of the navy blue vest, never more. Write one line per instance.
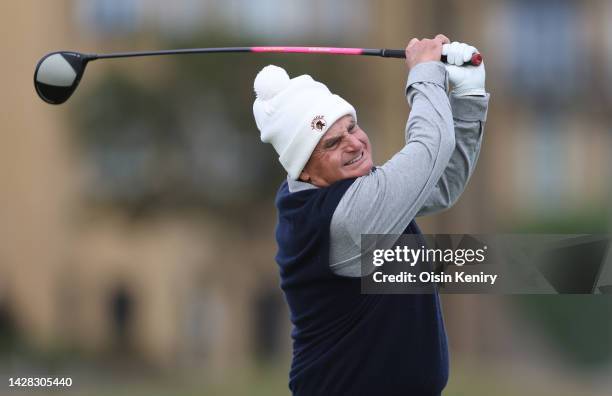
(344, 342)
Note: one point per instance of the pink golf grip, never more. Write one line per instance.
(306, 50)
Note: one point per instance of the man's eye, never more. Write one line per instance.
(351, 128)
(332, 143)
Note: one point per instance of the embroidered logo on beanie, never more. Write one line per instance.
(318, 123)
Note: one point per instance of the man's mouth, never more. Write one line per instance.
(355, 160)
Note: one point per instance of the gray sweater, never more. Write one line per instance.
(443, 139)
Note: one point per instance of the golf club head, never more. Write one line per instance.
(57, 75)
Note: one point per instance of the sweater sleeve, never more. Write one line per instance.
(387, 199)
(469, 115)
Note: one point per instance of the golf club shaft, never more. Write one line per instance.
(386, 53)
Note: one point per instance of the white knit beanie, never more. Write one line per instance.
(294, 114)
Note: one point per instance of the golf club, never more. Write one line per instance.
(58, 74)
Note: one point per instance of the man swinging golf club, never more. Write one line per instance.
(345, 342)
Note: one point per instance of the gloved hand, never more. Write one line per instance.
(465, 80)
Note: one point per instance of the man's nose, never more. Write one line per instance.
(352, 142)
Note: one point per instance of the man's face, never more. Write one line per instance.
(343, 152)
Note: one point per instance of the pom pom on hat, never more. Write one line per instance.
(270, 81)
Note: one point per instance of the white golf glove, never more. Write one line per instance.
(465, 80)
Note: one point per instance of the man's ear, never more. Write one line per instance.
(304, 176)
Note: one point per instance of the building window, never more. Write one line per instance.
(545, 52)
(268, 309)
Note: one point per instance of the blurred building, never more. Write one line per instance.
(168, 290)
(174, 290)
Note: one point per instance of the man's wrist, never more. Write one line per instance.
(469, 92)
(470, 108)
